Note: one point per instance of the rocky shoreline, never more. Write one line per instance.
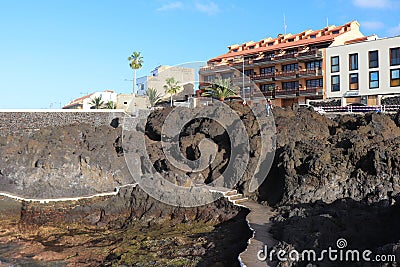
(331, 178)
(127, 229)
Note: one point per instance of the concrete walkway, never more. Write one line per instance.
(259, 222)
(47, 200)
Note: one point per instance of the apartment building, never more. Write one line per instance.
(287, 69)
(364, 71)
(185, 77)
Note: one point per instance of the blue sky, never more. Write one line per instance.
(54, 51)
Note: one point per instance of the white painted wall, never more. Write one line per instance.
(383, 46)
(105, 96)
(183, 75)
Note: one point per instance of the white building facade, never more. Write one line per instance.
(185, 76)
(85, 102)
(363, 72)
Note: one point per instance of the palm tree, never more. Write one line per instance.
(171, 87)
(154, 96)
(221, 89)
(96, 102)
(135, 62)
(110, 105)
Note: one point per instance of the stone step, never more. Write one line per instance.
(241, 200)
(231, 192)
(235, 197)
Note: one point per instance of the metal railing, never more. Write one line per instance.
(355, 109)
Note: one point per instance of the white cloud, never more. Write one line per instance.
(210, 8)
(394, 31)
(171, 6)
(372, 3)
(372, 25)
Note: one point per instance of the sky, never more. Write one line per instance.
(53, 51)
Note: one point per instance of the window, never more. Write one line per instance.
(353, 62)
(271, 44)
(290, 85)
(235, 50)
(394, 56)
(209, 78)
(267, 70)
(269, 55)
(335, 64)
(395, 77)
(335, 83)
(353, 81)
(373, 79)
(314, 83)
(249, 72)
(228, 75)
(313, 65)
(267, 87)
(290, 67)
(291, 40)
(251, 47)
(335, 32)
(373, 59)
(313, 36)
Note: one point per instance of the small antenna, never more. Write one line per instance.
(284, 23)
(327, 22)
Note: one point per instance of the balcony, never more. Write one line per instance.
(312, 54)
(214, 69)
(239, 80)
(284, 58)
(266, 77)
(310, 73)
(264, 61)
(286, 75)
(286, 93)
(203, 85)
(316, 91)
(239, 64)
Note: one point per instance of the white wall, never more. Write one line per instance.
(383, 46)
(105, 96)
(182, 75)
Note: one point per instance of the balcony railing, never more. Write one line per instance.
(215, 68)
(284, 57)
(265, 76)
(281, 75)
(204, 84)
(311, 91)
(288, 92)
(276, 59)
(263, 61)
(237, 80)
(310, 72)
(309, 54)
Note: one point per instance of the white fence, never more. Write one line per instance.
(382, 108)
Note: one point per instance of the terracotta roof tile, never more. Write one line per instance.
(325, 38)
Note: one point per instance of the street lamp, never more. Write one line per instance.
(244, 96)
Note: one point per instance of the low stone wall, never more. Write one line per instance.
(19, 122)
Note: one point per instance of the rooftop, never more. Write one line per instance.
(285, 41)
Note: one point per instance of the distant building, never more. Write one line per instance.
(185, 77)
(85, 101)
(287, 69)
(363, 71)
(124, 102)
